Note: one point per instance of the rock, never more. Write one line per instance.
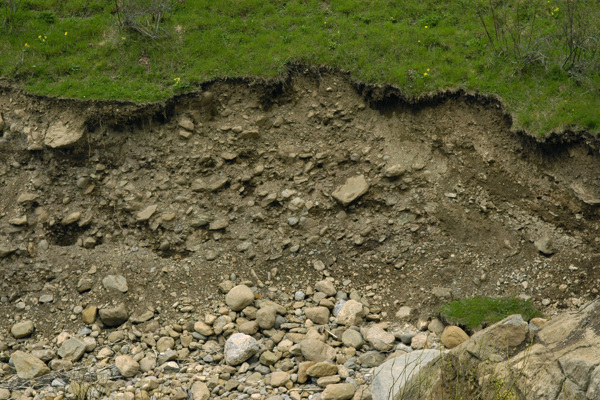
(127, 366)
(165, 343)
(211, 184)
(186, 123)
(61, 135)
(146, 213)
(318, 315)
(269, 358)
(302, 371)
(217, 225)
(351, 190)
(315, 350)
(88, 316)
(380, 339)
(265, 317)
(147, 364)
(72, 218)
(351, 313)
(453, 336)
(141, 315)
(326, 287)
(545, 245)
(404, 313)
(352, 338)
(239, 297)
(371, 359)
(203, 329)
(22, 329)
(320, 369)
(4, 393)
(279, 378)
(436, 326)
(442, 293)
(339, 391)
(419, 341)
(390, 378)
(72, 349)
(115, 282)
(44, 355)
(249, 327)
(394, 171)
(28, 366)
(114, 316)
(239, 348)
(26, 198)
(5, 250)
(200, 391)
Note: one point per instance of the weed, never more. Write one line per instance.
(480, 311)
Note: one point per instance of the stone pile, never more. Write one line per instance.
(320, 342)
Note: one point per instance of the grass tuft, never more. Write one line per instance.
(482, 311)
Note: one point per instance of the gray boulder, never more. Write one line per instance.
(240, 347)
(391, 377)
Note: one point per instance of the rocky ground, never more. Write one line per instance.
(146, 210)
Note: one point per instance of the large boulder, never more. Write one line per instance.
(510, 359)
(390, 378)
(240, 347)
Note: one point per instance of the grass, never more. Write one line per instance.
(479, 311)
(419, 46)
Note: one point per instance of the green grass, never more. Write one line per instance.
(420, 46)
(478, 311)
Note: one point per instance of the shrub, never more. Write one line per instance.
(144, 16)
(10, 10)
(480, 311)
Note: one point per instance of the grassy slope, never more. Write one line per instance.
(377, 40)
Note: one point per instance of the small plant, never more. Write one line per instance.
(10, 11)
(144, 16)
(47, 16)
(480, 311)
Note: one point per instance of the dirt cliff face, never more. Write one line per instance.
(245, 178)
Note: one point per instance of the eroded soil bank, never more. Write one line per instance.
(238, 179)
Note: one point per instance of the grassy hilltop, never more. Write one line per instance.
(541, 57)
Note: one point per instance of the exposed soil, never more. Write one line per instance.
(249, 193)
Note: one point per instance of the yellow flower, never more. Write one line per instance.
(26, 45)
(426, 27)
(45, 37)
(122, 38)
(325, 23)
(425, 74)
(427, 69)
(419, 41)
(66, 33)
(556, 9)
(39, 37)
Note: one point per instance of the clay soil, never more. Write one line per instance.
(248, 192)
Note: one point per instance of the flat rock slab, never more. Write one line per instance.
(391, 377)
(351, 190)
